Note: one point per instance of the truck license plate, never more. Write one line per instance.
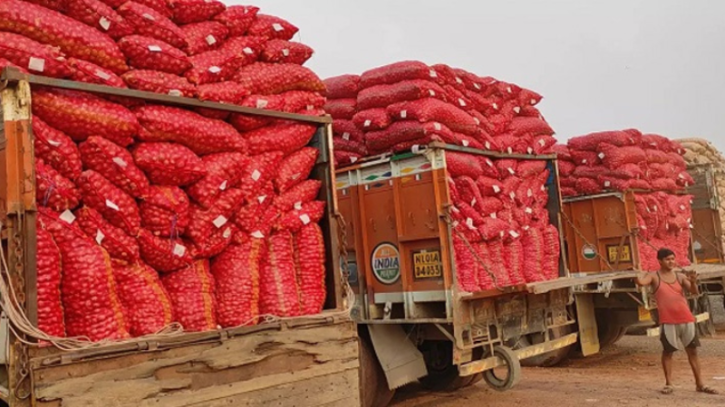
(427, 264)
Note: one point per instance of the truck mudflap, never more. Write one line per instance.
(401, 361)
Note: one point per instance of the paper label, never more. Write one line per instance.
(215, 69)
(285, 52)
(496, 189)
(154, 48)
(469, 223)
(584, 161)
(175, 92)
(462, 102)
(248, 51)
(227, 233)
(298, 205)
(494, 215)
(438, 126)
(529, 211)
(431, 92)
(277, 27)
(529, 193)
(513, 195)
(346, 136)
(148, 17)
(353, 160)
(67, 217)
(36, 64)
(120, 162)
(112, 205)
(257, 235)
(415, 149)
(104, 23)
(510, 150)
(473, 202)
(458, 80)
(54, 143)
(433, 74)
(99, 236)
(261, 198)
(455, 209)
(475, 119)
(514, 234)
(102, 75)
(465, 143)
(223, 185)
(607, 184)
(495, 106)
(517, 110)
(256, 175)
(489, 162)
(508, 89)
(262, 103)
(403, 114)
(219, 221)
(530, 150)
(305, 218)
(367, 123)
(179, 250)
(477, 86)
(210, 40)
(511, 171)
(487, 145)
(601, 156)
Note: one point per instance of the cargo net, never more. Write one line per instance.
(502, 234)
(396, 107)
(156, 219)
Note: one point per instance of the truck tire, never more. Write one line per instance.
(609, 331)
(374, 391)
(549, 359)
(442, 373)
(513, 370)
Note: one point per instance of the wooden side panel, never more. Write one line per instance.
(297, 367)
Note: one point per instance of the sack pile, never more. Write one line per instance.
(394, 107)
(156, 214)
(502, 233)
(620, 161)
(664, 220)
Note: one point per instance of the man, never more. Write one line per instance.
(677, 324)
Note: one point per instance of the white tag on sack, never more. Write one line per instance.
(517, 110)
(514, 234)
(148, 17)
(223, 185)
(438, 126)
(495, 106)
(530, 150)
(455, 224)
(508, 89)
(257, 234)
(512, 195)
(261, 198)
(510, 150)
(353, 160)
(454, 209)
(682, 207)
(487, 145)
(99, 236)
(120, 162)
(529, 193)
(465, 143)
(346, 136)
(277, 27)
(112, 205)
(532, 101)
(67, 217)
(473, 202)
(36, 64)
(215, 69)
(227, 233)
(496, 189)
(298, 206)
(511, 171)
(175, 92)
(285, 52)
(305, 218)
(494, 215)
(431, 92)
(502, 234)
(367, 123)
(433, 73)
(248, 51)
(102, 75)
(489, 162)
(607, 184)
(655, 208)
(256, 175)
(525, 228)
(154, 48)
(210, 39)
(458, 80)
(680, 176)
(469, 223)
(262, 103)
(220, 221)
(643, 227)
(584, 161)
(529, 211)
(478, 122)
(54, 143)
(179, 250)
(462, 102)
(104, 23)
(601, 156)
(415, 149)
(403, 114)
(477, 86)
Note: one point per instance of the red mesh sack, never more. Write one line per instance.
(496, 263)
(529, 168)
(372, 119)
(506, 168)
(161, 6)
(656, 156)
(665, 184)
(562, 152)
(272, 27)
(4, 63)
(466, 265)
(342, 86)
(115, 164)
(237, 19)
(204, 36)
(91, 305)
(50, 306)
(284, 137)
(677, 160)
(236, 273)
(309, 252)
(147, 303)
(640, 184)
(262, 168)
(270, 79)
(117, 207)
(215, 243)
(467, 191)
(460, 164)
(222, 64)
(191, 290)
(489, 186)
(588, 186)
(657, 142)
(54, 190)
(569, 191)
(151, 23)
(434, 110)
(353, 146)
(529, 97)
(384, 95)
(542, 145)
(98, 15)
(279, 293)
(151, 53)
(295, 168)
(346, 130)
(165, 211)
(200, 134)
(296, 219)
(488, 205)
(488, 166)
(84, 71)
(38, 58)
(56, 149)
(159, 82)
(223, 171)
(684, 179)
(550, 268)
(244, 122)
(591, 172)
(56, 5)
(396, 72)
(204, 222)
(534, 246)
(168, 163)
(118, 244)
(591, 142)
(341, 108)
(514, 261)
(163, 254)
(529, 125)
(297, 100)
(297, 195)
(627, 171)
(615, 157)
(281, 51)
(74, 39)
(194, 11)
(252, 213)
(566, 168)
(493, 228)
(661, 171)
(585, 157)
(222, 92)
(81, 115)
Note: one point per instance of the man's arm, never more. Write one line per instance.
(644, 279)
(689, 282)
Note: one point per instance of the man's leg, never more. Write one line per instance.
(667, 367)
(695, 365)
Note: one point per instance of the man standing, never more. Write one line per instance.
(677, 324)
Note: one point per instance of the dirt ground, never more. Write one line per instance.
(626, 374)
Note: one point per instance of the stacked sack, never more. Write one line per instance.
(620, 161)
(153, 214)
(664, 221)
(502, 234)
(394, 107)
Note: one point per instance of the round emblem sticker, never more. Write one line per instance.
(589, 252)
(386, 263)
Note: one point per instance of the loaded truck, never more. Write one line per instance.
(297, 361)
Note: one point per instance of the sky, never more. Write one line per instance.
(654, 65)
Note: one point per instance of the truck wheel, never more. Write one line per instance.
(374, 391)
(512, 368)
(442, 373)
(609, 331)
(549, 359)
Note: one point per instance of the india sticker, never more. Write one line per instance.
(589, 252)
(386, 263)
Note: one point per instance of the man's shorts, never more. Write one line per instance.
(679, 336)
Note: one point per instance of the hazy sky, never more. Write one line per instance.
(656, 65)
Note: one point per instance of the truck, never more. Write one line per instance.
(301, 361)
